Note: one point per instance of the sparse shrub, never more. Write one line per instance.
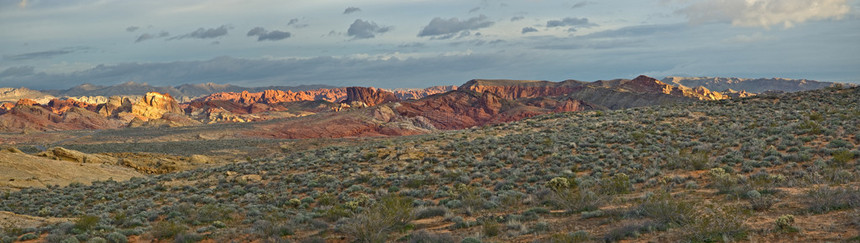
(630, 230)
(762, 203)
(490, 228)
(166, 229)
(470, 240)
(86, 222)
(422, 236)
(97, 240)
(28, 236)
(842, 157)
(187, 237)
(374, 224)
(429, 212)
(723, 181)
(618, 184)
(116, 237)
(715, 223)
(573, 237)
(822, 199)
(569, 196)
(785, 222)
(666, 209)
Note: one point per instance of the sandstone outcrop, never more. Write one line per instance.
(279, 96)
(415, 94)
(366, 96)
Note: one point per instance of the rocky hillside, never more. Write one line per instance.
(15, 94)
(758, 85)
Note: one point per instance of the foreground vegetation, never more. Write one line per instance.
(766, 168)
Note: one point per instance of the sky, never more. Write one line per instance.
(57, 44)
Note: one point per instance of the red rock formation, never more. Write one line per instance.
(154, 105)
(415, 94)
(61, 106)
(368, 96)
(517, 89)
(279, 96)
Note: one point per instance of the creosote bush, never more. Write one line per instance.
(386, 215)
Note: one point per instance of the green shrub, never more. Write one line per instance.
(822, 199)
(388, 214)
(723, 181)
(716, 223)
(666, 209)
(567, 194)
(573, 237)
(618, 184)
(116, 237)
(167, 229)
(28, 236)
(491, 228)
(86, 222)
(785, 222)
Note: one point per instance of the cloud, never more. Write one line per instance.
(580, 4)
(579, 22)
(350, 10)
(764, 13)
(475, 9)
(132, 28)
(517, 18)
(446, 28)
(637, 31)
(295, 23)
(202, 33)
(262, 34)
(361, 29)
(529, 29)
(43, 54)
(411, 45)
(17, 72)
(148, 36)
(22, 4)
(755, 37)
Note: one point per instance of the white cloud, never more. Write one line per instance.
(764, 13)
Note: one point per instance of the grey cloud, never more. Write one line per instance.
(411, 45)
(637, 30)
(350, 10)
(132, 28)
(17, 71)
(274, 35)
(581, 22)
(580, 4)
(148, 36)
(517, 18)
(295, 23)
(256, 31)
(529, 29)
(262, 34)
(361, 29)
(203, 33)
(447, 28)
(475, 9)
(43, 54)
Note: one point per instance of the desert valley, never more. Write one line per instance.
(443, 121)
(491, 160)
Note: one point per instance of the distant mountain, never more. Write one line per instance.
(185, 90)
(15, 94)
(612, 94)
(759, 85)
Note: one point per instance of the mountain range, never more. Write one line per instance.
(321, 111)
